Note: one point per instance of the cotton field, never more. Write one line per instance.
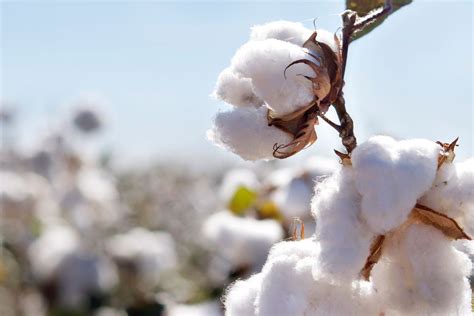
(236, 159)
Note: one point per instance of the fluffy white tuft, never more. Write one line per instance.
(287, 31)
(245, 132)
(235, 90)
(391, 176)
(452, 192)
(264, 62)
(344, 240)
(241, 295)
(421, 273)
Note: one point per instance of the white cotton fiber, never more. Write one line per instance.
(264, 62)
(242, 241)
(421, 273)
(287, 31)
(391, 176)
(245, 132)
(452, 192)
(288, 287)
(343, 239)
(241, 295)
(235, 90)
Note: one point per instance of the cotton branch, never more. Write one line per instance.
(352, 24)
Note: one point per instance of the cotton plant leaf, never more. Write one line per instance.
(364, 7)
(242, 199)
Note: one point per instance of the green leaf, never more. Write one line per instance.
(242, 199)
(363, 7)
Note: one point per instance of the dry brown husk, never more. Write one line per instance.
(328, 81)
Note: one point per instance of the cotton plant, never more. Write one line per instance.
(390, 220)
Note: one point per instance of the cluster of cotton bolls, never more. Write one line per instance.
(68, 246)
(385, 244)
(256, 85)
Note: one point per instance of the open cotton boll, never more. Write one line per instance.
(235, 179)
(241, 296)
(287, 31)
(235, 90)
(343, 239)
(245, 132)
(16, 193)
(47, 252)
(452, 192)
(242, 241)
(264, 62)
(96, 185)
(391, 176)
(151, 253)
(421, 273)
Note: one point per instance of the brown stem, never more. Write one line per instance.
(347, 125)
(351, 24)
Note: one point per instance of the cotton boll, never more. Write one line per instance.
(234, 179)
(151, 253)
(421, 273)
(344, 240)
(96, 185)
(391, 176)
(245, 132)
(16, 193)
(265, 61)
(452, 192)
(235, 90)
(287, 31)
(242, 241)
(47, 252)
(241, 295)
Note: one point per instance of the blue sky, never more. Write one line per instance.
(157, 62)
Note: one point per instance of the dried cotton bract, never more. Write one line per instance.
(271, 98)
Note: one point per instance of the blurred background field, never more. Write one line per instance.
(112, 200)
